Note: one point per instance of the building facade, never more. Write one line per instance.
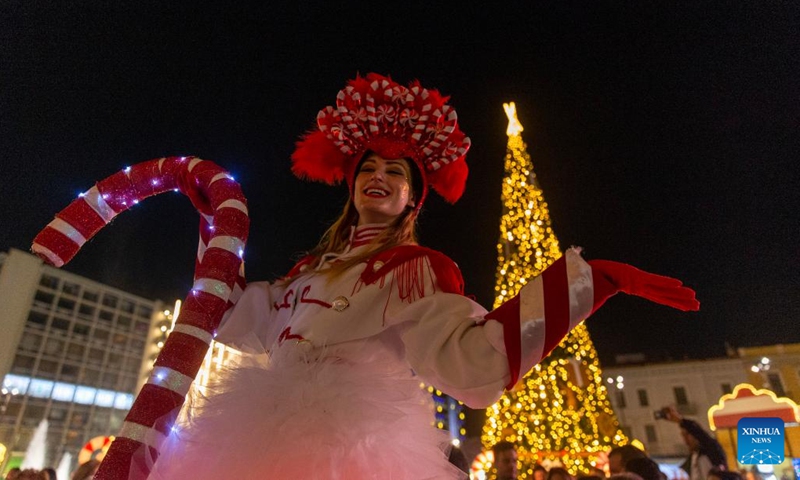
(693, 387)
(638, 391)
(72, 351)
(775, 367)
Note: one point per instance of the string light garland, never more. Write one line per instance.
(448, 414)
(560, 411)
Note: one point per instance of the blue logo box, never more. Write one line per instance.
(760, 441)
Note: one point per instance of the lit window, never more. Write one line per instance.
(63, 392)
(124, 401)
(85, 395)
(104, 398)
(16, 381)
(40, 388)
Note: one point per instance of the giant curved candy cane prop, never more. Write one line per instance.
(218, 282)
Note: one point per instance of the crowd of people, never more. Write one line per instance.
(706, 460)
(31, 474)
(84, 471)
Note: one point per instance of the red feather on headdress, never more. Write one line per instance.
(317, 158)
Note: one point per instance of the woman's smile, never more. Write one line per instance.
(382, 189)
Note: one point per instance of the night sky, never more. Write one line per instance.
(664, 134)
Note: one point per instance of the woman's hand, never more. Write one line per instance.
(612, 277)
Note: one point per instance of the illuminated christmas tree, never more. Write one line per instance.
(560, 410)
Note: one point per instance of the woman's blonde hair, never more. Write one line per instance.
(402, 231)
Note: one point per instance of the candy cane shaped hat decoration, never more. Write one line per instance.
(218, 283)
(376, 114)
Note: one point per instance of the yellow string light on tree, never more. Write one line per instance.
(560, 411)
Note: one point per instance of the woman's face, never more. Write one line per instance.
(382, 189)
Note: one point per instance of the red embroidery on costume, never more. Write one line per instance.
(305, 299)
(298, 268)
(448, 276)
(410, 265)
(287, 334)
(410, 279)
(285, 303)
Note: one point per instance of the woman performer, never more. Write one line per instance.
(337, 349)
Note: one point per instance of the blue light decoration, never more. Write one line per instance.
(68, 392)
(448, 415)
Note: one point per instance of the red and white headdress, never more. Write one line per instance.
(375, 113)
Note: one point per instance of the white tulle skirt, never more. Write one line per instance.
(303, 415)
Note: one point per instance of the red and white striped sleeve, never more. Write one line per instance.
(472, 355)
(454, 344)
(545, 310)
(535, 321)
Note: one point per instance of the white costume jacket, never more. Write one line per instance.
(333, 387)
(447, 339)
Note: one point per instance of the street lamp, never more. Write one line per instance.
(619, 383)
(773, 382)
(7, 394)
(761, 366)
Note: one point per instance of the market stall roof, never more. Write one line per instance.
(748, 401)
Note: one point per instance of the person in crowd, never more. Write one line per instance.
(559, 473)
(625, 476)
(31, 474)
(592, 476)
(618, 457)
(13, 474)
(50, 472)
(505, 460)
(720, 474)
(457, 458)
(539, 472)
(646, 468)
(750, 474)
(335, 351)
(595, 471)
(85, 471)
(705, 452)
